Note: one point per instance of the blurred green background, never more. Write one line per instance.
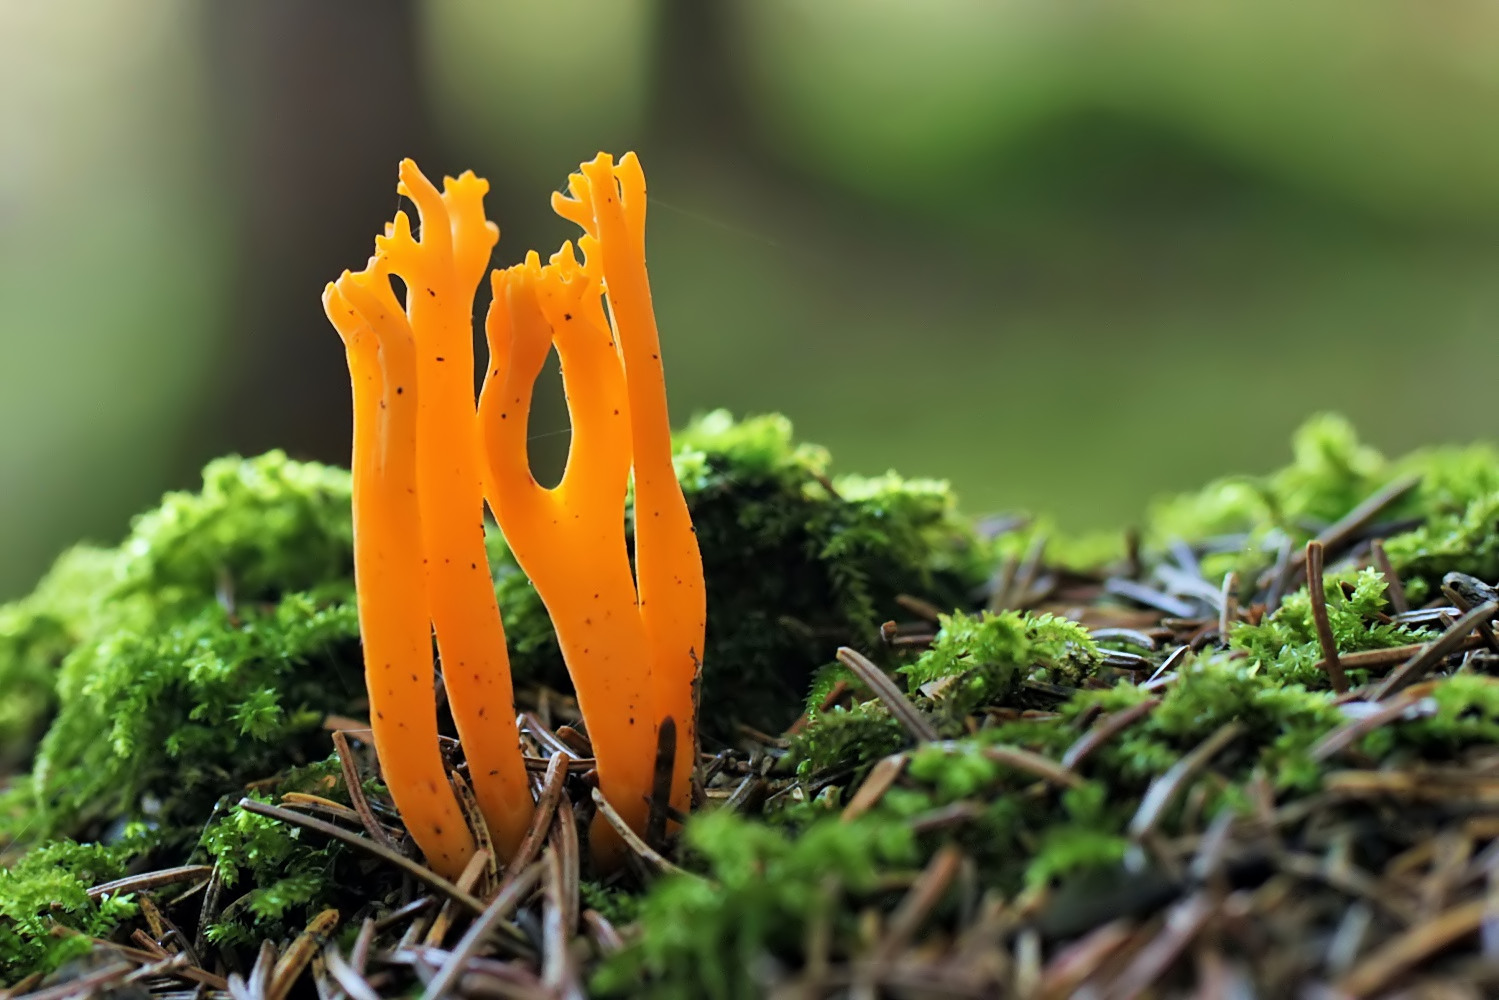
(1066, 255)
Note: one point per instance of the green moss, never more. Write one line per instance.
(1286, 641)
(161, 723)
(190, 659)
(203, 652)
(276, 879)
(260, 527)
(763, 889)
(1017, 828)
(1461, 712)
(1456, 498)
(1466, 541)
(977, 661)
(849, 738)
(47, 890)
(1088, 838)
(974, 661)
(1331, 471)
(36, 633)
(614, 905)
(200, 654)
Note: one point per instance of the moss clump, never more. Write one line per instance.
(796, 564)
(1286, 641)
(160, 723)
(36, 633)
(1023, 832)
(1464, 540)
(259, 528)
(1460, 712)
(200, 653)
(981, 660)
(1330, 473)
(763, 888)
(974, 661)
(1016, 814)
(1455, 504)
(848, 738)
(48, 890)
(274, 879)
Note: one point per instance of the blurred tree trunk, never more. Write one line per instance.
(315, 103)
(695, 100)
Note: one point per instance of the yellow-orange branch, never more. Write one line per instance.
(426, 458)
(441, 273)
(609, 203)
(570, 539)
(393, 616)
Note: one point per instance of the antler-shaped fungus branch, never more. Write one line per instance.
(393, 612)
(609, 202)
(570, 539)
(632, 642)
(441, 272)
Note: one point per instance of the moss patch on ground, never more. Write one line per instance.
(1103, 714)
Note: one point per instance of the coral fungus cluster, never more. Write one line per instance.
(426, 456)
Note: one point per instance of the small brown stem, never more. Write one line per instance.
(1394, 589)
(355, 788)
(1229, 613)
(886, 690)
(1433, 653)
(1318, 594)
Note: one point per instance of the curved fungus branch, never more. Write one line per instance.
(441, 272)
(393, 614)
(570, 539)
(632, 640)
(609, 202)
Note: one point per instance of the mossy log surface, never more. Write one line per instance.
(1250, 747)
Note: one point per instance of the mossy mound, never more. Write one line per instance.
(201, 653)
(1099, 768)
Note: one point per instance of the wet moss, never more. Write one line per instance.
(762, 888)
(177, 660)
(46, 914)
(203, 652)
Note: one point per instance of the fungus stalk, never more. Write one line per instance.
(420, 561)
(425, 460)
(393, 615)
(570, 539)
(632, 644)
(608, 202)
(441, 272)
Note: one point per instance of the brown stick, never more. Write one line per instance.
(1432, 654)
(492, 918)
(422, 874)
(1318, 593)
(1394, 589)
(355, 788)
(884, 688)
